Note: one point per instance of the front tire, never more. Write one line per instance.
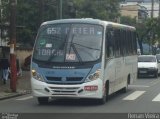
(102, 100)
(42, 100)
(105, 97)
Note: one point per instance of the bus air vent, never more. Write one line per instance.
(74, 78)
(54, 78)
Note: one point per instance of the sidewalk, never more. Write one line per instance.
(23, 86)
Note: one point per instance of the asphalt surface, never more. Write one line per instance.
(142, 97)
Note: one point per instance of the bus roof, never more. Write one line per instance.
(89, 20)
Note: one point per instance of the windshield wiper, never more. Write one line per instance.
(86, 46)
(74, 49)
(61, 46)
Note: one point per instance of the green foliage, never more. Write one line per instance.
(128, 20)
(148, 30)
(5, 13)
(31, 13)
(98, 9)
(29, 16)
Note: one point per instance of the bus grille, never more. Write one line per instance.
(74, 78)
(64, 90)
(66, 80)
(54, 78)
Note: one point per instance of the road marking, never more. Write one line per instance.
(143, 86)
(134, 95)
(157, 98)
(25, 98)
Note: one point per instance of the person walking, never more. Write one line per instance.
(5, 69)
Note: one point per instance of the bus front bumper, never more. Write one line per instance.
(93, 89)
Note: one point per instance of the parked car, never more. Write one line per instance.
(148, 65)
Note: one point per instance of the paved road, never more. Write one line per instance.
(142, 96)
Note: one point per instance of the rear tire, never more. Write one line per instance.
(138, 76)
(124, 90)
(156, 74)
(42, 100)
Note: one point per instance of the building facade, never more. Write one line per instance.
(146, 6)
(134, 11)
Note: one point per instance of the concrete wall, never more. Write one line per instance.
(22, 54)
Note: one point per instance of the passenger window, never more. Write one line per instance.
(110, 43)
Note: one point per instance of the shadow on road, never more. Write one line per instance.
(83, 102)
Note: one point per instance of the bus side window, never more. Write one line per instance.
(110, 43)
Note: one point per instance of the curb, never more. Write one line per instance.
(14, 95)
(10, 96)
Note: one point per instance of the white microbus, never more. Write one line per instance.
(83, 58)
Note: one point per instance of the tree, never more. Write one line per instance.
(98, 9)
(30, 14)
(149, 31)
(4, 20)
(128, 20)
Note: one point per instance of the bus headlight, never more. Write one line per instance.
(94, 76)
(37, 76)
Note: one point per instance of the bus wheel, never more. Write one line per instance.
(104, 99)
(124, 90)
(156, 74)
(42, 100)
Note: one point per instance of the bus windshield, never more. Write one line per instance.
(69, 43)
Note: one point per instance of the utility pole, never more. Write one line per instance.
(159, 9)
(60, 9)
(152, 15)
(1, 21)
(152, 8)
(41, 10)
(13, 80)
